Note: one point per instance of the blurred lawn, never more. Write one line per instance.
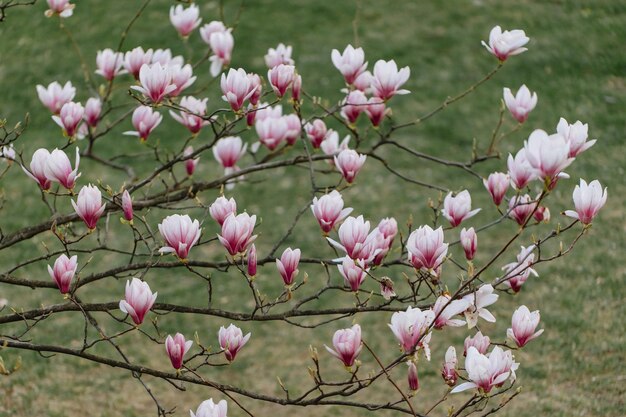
(577, 65)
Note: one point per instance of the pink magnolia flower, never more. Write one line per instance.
(69, 118)
(93, 107)
(487, 372)
(256, 87)
(521, 207)
(231, 340)
(353, 273)
(222, 208)
(210, 28)
(59, 169)
(135, 59)
(521, 104)
(386, 288)
(347, 344)
(516, 273)
(165, 58)
(458, 208)
(479, 342)
(331, 146)
(349, 163)
(288, 265)
(61, 7)
(448, 370)
(176, 348)
(127, 206)
(523, 326)
(252, 260)
(55, 96)
(364, 82)
(185, 20)
(38, 168)
(576, 135)
(505, 44)
(478, 303)
(387, 79)
(588, 200)
(280, 78)
(520, 170)
(542, 214)
(89, 205)
(351, 63)
(182, 77)
(469, 241)
(294, 127)
(156, 81)
(109, 63)
(426, 248)
(236, 88)
(192, 117)
(63, 272)
(237, 232)
(180, 234)
(497, 184)
(412, 377)
(280, 55)
(139, 299)
(329, 211)
(444, 310)
(353, 234)
(410, 327)
(190, 163)
(222, 44)
(388, 228)
(548, 154)
(271, 131)
(376, 110)
(296, 87)
(265, 111)
(144, 120)
(316, 132)
(210, 409)
(353, 105)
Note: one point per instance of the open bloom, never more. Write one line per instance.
(497, 184)
(505, 44)
(387, 80)
(487, 371)
(236, 88)
(59, 169)
(523, 326)
(127, 206)
(38, 168)
(209, 409)
(521, 104)
(353, 273)
(144, 120)
(426, 248)
(458, 208)
(478, 303)
(351, 63)
(237, 233)
(349, 162)
(138, 300)
(222, 208)
(444, 310)
(410, 327)
(521, 207)
(353, 234)
(109, 63)
(280, 55)
(353, 105)
(156, 81)
(331, 146)
(448, 370)
(516, 273)
(547, 154)
(288, 265)
(165, 58)
(180, 234)
(347, 344)
(89, 205)
(228, 150)
(479, 342)
(182, 77)
(329, 211)
(69, 118)
(231, 340)
(135, 59)
(412, 377)
(271, 130)
(55, 96)
(576, 135)
(469, 241)
(192, 117)
(185, 20)
(222, 44)
(280, 78)
(61, 7)
(316, 132)
(63, 272)
(588, 200)
(520, 170)
(190, 163)
(176, 348)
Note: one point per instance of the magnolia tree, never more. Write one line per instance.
(409, 276)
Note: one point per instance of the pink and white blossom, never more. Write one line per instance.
(448, 370)
(256, 87)
(138, 300)
(176, 348)
(63, 8)
(521, 104)
(521, 207)
(93, 107)
(294, 128)
(135, 59)
(505, 44)
(296, 87)
(386, 288)
(251, 261)
(316, 132)
(387, 79)
(351, 63)
(376, 110)
(70, 116)
(180, 234)
(192, 115)
(209, 409)
(588, 200)
(480, 342)
(190, 163)
(156, 81)
(38, 168)
(272, 131)
(222, 208)
(182, 78)
(55, 96)
(288, 265)
(144, 120)
(410, 327)
(353, 273)
(109, 63)
(516, 273)
(353, 234)
(236, 88)
(279, 55)
(523, 326)
(548, 154)
(331, 146)
(231, 340)
(237, 233)
(469, 242)
(210, 28)
(165, 58)
(347, 345)
(412, 376)
(58, 168)
(487, 371)
(353, 105)
(349, 162)
(127, 206)
(520, 170)
(222, 44)
(444, 310)
(185, 20)
(458, 208)
(63, 272)
(89, 205)
(280, 78)
(576, 135)
(478, 303)
(329, 211)
(364, 82)
(228, 150)
(497, 184)
(426, 248)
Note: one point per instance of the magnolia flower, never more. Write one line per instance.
(210, 28)
(256, 87)
(237, 233)
(547, 154)
(55, 96)
(523, 326)
(144, 120)
(410, 327)
(59, 169)
(364, 82)
(180, 234)
(521, 104)
(521, 207)
(387, 80)
(588, 200)
(138, 300)
(448, 370)
(280, 55)
(331, 146)
(222, 44)
(294, 127)
(228, 150)
(93, 107)
(209, 409)
(176, 348)
(376, 110)
(231, 341)
(296, 87)
(288, 265)
(351, 63)
(479, 342)
(182, 77)
(252, 260)
(576, 135)
(507, 43)
(478, 303)
(109, 63)
(38, 168)
(135, 59)
(89, 205)
(444, 310)
(280, 78)
(61, 7)
(192, 115)
(388, 228)
(497, 184)
(156, 81)
(165, 58)
(185, 20)
(271, 131)
(69, 118)
(353, 234)
(516, 273)
(520, 170)
(458, 208)
(486, 372)
(426, 248)
(190, 163)
(347, 344)
(127, 206)
(63, 272)
(353, 273)
(8, 152)
(349, 163)
(412, 377)
(542, 214)
(316, 132)
(386, 288)
(222, 208)
(469, 241)
(353, 105)
(329, 211)
(236, 88)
